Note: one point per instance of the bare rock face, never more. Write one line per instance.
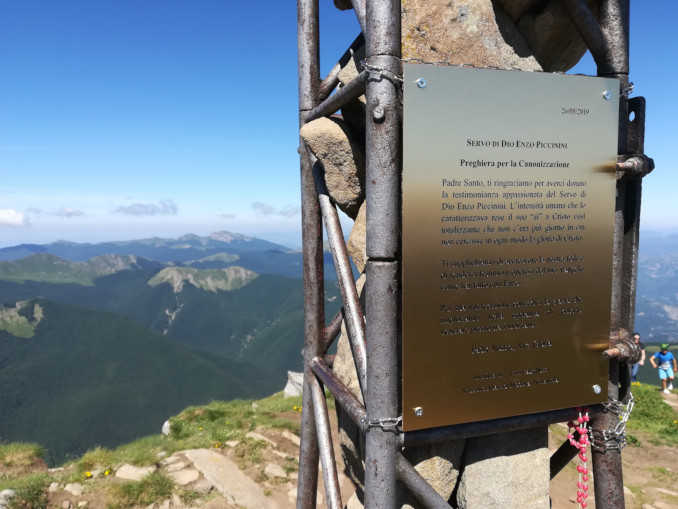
(463, 32)
(342, 157)
(508, 470)
(550, 33)
(356, 245)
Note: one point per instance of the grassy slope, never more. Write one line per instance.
(94, 378)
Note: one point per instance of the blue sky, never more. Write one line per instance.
(124, 119)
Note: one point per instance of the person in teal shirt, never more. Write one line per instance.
(663, 363)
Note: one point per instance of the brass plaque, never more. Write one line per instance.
(508, 221)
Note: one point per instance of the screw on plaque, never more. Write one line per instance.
(418, 411)
(421, 83)
(607, 94)
(597, 389)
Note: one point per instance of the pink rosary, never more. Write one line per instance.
(581, 427)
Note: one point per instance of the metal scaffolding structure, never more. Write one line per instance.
(374, 342)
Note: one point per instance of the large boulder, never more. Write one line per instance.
(508, 470)
(462, 32)
(343, 158)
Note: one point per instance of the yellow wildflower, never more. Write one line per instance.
(88, 475)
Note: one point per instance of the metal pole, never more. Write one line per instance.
(353, 314)
(330, 478)
(607, 464)
(382, 380)
(383, 173)
(314, 319)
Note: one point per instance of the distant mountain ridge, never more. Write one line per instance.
(187, 247)
(215, 251)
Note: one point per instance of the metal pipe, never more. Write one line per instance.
(352, 90)
(359, 8)
(476, 429)
(355, 322)
(383, 174)
(382, 383)
(417, 485)
(333, 330)
(330, 82)
(384, 130)
(607, 464)
(353, 408)
(322, 421)
(312, 258)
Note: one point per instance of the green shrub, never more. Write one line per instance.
(31, 492)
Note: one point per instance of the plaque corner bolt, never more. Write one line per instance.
(597, 389)
(418, 411)
(607, 94)
(421, 83)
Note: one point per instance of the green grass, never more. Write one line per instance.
(153, 488)
(652, 415)
(30, 491)
(19, 454)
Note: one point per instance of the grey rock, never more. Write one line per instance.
(175, 466)
(203, 486)
(75, 489)
(258, 436)
(663, 505)
(184, 477)
(53, 487)
(357, 240)
(83, 503)
(552, 36)
(462, 32)
(132, 473)
(273, 470)
(291, 437)
(343, 159)
(229, 480)
(508, 470)
(295, 384)
(666, 492)
(66, 504)
(5, 497)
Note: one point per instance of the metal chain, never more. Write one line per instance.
(389, 424)
(605, 440)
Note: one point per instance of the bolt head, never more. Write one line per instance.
(421, 83)
(418, 411)
(607, 94)
(597, 389)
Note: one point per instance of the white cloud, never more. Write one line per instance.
(263, 208)
(69, 212)
(164, 208)
(227, 216)
(9, 217)
(290, 211)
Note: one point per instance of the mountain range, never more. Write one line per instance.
(89, 340)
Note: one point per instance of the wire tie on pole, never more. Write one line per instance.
(382, 72)
(389, 424)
